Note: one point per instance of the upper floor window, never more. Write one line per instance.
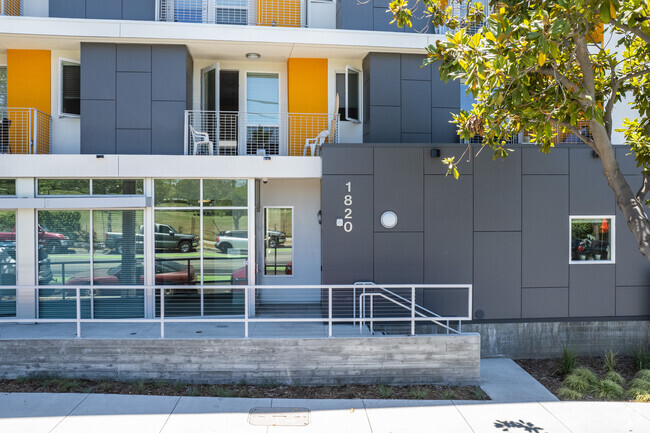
(90, 187)
(592, 239)
(8, 187)
(348, 87)
(70, 103)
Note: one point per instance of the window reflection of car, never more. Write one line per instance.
(167, 272)
(229, 239)
(275, 238)
(240, 276)
(8, 265)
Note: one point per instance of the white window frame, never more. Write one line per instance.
(612, 240)
(3, 65)
(345, 101)
(63, 61)
(293, 219)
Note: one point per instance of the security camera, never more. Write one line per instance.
(265, 180)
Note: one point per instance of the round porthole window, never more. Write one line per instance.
(388, 219)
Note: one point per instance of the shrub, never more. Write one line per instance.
(448, 394)
(385, 391)
(611, 360)
(643, 374)
(193, 392)
(608, 390)
(637, 394)
(577, 383)
(568, 394)
(642, 398)
(641, 357)
(217, 391)
(418, 393)
(479, 393)
(568, 361)
(615, 377)
(639, 383)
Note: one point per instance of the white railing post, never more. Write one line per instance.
(246, 290)
(78, 293)
(412, 310)
(186, 128)
(372, 315)
(35, 136)
(162, 312)
(330, 312)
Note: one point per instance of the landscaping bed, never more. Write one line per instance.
(417, 392)
(589, 378)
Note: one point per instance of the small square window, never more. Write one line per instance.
(592, 239)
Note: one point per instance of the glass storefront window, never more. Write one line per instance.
(64, 259)
(278, 241)
(592, 239)
(7, 187)
(225, 247)
(225, 193)
(63, 186)
(177, 192)
(7, 263)
(118, 187)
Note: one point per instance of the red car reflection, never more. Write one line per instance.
(240, 276)
(169, 272)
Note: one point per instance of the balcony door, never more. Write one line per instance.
(262, 113)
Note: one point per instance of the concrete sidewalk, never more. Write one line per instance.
(519, 404)
(99, 413)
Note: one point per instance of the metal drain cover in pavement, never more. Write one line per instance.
(278, 416)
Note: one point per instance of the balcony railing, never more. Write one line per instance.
(11, 7)
(285, 13)
(241, 133)
(560, 138)
(25, 131)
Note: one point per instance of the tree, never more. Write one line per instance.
(539, 67)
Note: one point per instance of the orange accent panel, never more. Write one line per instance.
(28, 87)
(28, 79)
(307, 101)
(12, 7)
(284, 13)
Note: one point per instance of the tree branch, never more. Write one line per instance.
(563, 80)
(645, 187)
(634, 30)
(574, 129)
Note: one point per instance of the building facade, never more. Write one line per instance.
(298, 144)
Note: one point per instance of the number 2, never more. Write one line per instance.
(348, 214)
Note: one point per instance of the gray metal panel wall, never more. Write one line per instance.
(144, 10)
(545, 225)
(448, 243)
(407, 103)
(590, 194)
(519, 264)
(497, 192)
(371, 15)
(347, 256)
(399, 191)
(67, 8)
(147, 87)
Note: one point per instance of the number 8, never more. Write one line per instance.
(348, 200)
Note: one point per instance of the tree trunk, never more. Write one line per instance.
(633, 210)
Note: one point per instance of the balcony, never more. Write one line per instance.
(25, 131)
(285, 13)
(11, 7)
(242, 133)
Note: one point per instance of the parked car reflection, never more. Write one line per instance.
(167, 272)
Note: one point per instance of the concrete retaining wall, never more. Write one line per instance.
(390, 360)
(546, 339)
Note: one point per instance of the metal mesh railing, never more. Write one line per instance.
(25, 131)
(240, 133)
(461, 10)
(562, 137)
(282, 13)
(243, 311)
(11, 7)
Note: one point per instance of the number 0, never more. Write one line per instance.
(347, 226)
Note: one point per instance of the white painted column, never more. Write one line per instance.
(252, 259)
(149, 251)
(26, 263)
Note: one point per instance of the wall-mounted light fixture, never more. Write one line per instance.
(253, 56)
(435, 153)
(99, 156)
(388, 219)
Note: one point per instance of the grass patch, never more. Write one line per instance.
(418, 393)
(577, 383)
(641, 357)
(568, 361)
(615, 377)
(639, 383)
(643, 374)
(385, 391)
(448, 394)
(218, 391)
(611, 358)
(608, 390)
(568, 394)
(479, 393)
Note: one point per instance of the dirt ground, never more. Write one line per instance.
(545, 370)
(420, 392)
